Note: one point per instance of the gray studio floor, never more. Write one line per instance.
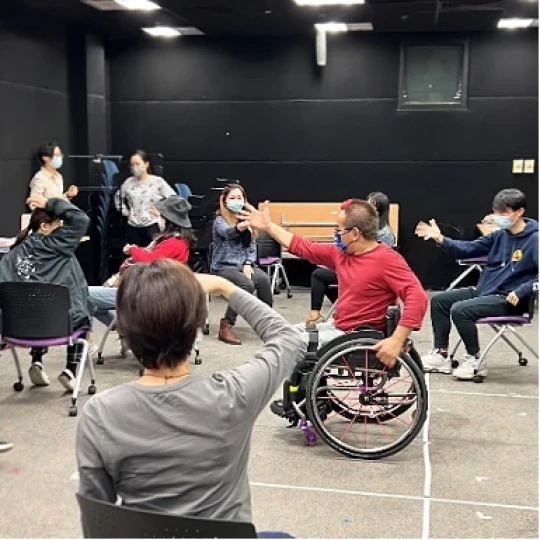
(483, 450)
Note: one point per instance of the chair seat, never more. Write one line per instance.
(510, 319)
(53, 342)
(475, 260)
(267, 261)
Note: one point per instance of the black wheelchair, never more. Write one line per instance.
(354, 403)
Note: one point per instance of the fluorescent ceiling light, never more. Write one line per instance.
(329, 2)
(139, 5)
(515, 23)
(162, 31)
(332, 27)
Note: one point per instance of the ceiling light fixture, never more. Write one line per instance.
(162, 31)
(331, 27)
(329, 2)
(511, 24)
(138, 5)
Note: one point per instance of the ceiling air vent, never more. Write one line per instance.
(104, 5)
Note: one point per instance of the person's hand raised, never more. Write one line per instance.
(255, 218)
(429, 231)
(72, 192)
(37, 201)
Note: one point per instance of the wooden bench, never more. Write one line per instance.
(316, 221)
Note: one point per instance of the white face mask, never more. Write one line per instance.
(137, 170)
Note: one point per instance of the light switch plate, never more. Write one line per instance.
(529, 166)
(517, 166)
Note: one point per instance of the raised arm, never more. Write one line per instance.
(254, 383)
(223, 229)
(322, 254)
(66, 238)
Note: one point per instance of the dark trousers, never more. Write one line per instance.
(464, 307)
(141, 236)
(321, 279)
(72, 355)
(259, 281)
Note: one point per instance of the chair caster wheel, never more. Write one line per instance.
(100, 360)
(455, 364)
(18, 387)
(198, 361)
(277, 291)
(92, 389)
(141, 372)
(206, 330)
(523, 362)
(309, 434)
(289, 295)
(478, 379)
(73, 411)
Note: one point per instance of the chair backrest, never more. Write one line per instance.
(183, 190)
(30, 310)
(106, 520)
(267, 246)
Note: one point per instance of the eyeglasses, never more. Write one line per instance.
(341, 232)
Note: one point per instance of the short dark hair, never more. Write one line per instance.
(509, 198)
(46, 149)
(142, 154)
(362, 216)
(160, 308)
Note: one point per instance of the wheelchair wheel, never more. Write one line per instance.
(372, 412)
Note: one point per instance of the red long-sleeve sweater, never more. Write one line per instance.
(368, 284)
(172, 248)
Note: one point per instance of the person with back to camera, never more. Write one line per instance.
(45, 252)
(48, 182)
(174, 241)
(372, 277)
(171, 441)
(504, 288)
(137, 198)
(234, 256)
(324, 280)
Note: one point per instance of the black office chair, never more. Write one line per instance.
(106, 520)
(269, 257)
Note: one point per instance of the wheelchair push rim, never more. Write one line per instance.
(369, 397)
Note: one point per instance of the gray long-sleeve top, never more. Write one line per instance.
(183, 448)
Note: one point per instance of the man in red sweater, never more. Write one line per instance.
(371, 276)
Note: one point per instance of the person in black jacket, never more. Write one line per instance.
(45, 252)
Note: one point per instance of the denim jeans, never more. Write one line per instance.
(103, 300)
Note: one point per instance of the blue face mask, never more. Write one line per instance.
(503, 222)
(57, 161)
(235, 206)
(338, 242)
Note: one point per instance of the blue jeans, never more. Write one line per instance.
(273, 534)
(103, 301)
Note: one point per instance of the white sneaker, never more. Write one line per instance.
(470, 367)
(434, 362)
(67, 380)
(38, 376)
(5, 446)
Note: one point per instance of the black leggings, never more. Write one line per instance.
(321, 279)
(259, 281)
(72, 355)
(141, 236)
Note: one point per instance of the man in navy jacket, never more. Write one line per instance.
(505, 286)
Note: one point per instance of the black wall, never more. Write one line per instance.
(53, 87)
(34, 107)
(260, 111)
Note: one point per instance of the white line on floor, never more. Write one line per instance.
(427, 467)
(509, 395)
(391, 496)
